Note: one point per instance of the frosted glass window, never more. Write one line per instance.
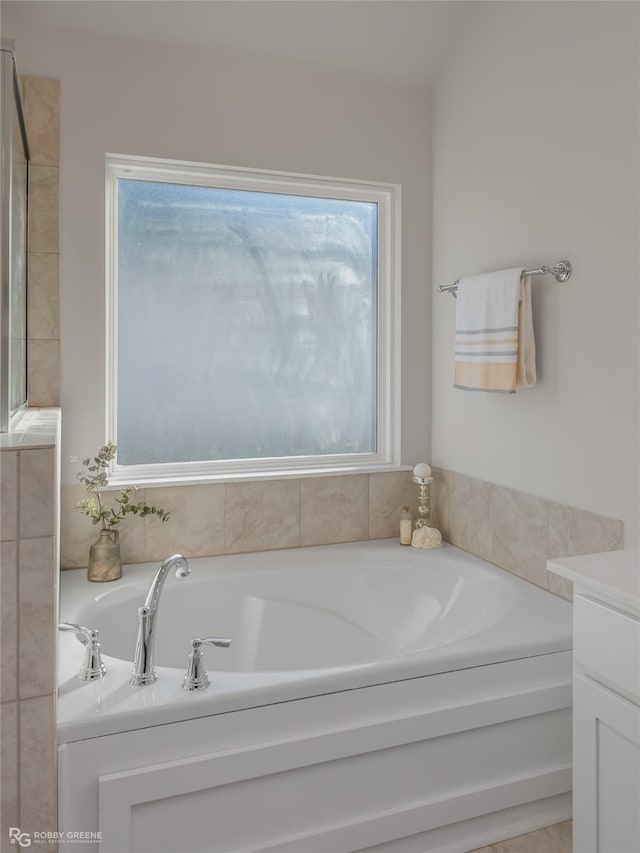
(246, 324)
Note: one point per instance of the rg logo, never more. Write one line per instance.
(22, 838)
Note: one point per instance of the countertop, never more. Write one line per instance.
(613, 576)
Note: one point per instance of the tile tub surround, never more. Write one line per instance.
(28, 597)
(253, 516)
(517, 531)
(41, 101)
(511, 529)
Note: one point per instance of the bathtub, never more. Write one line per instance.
(374, 697)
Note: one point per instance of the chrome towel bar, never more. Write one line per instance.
(560, 271)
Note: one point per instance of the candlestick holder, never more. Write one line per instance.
(424, 508)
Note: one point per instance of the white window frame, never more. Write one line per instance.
(387, 198)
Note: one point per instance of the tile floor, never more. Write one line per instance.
(551, 839)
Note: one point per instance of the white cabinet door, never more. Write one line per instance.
(606, 770)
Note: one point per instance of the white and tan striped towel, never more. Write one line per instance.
(495, 346)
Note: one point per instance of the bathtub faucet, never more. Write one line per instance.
(143, 669)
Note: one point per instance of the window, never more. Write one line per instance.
(250, 322)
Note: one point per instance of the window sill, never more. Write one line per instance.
(119, 480)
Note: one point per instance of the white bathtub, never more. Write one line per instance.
(373, 695)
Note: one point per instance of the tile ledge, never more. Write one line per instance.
(32, 428)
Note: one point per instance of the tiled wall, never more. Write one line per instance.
(41, 101)
(29, 511)
(254, 516)
(28, 611)
(517, 531)
(511, 529)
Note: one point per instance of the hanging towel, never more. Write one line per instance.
(495, 347)
(526, 377)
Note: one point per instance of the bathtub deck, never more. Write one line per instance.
(440, 763)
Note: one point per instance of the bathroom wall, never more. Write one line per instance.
(133, 98)
(29, 474)
(535, 158)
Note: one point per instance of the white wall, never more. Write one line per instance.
(535, 154)
(535, 151)
(133, 98)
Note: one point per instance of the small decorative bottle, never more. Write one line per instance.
(405, 526)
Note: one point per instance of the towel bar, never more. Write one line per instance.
(560, 271)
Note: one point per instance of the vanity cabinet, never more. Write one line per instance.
(606, 701)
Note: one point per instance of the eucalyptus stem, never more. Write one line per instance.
(94, 476)
(104, 525)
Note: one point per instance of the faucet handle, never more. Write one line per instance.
(92, 666)
(222, 642)
(196, 677)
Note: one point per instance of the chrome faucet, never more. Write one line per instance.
(92, 666)
(196, 678)
(143, 669)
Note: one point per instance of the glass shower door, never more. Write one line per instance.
(13, 227)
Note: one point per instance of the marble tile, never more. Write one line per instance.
(469, 509)
(196, 527)
(388, 493)
(574, 531)
(44, 296)
(44, 214)
(44, 373)
(552, 839)
(78, 533)
(8, 621)
(517, 531)
(560, 586)
(37, 607)
(8, 494)
(439, 500)
(519, 534)
(42, 116)
(37, 499)
(9, 794)
(261, 516)
(334, 509)
(38, 769)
